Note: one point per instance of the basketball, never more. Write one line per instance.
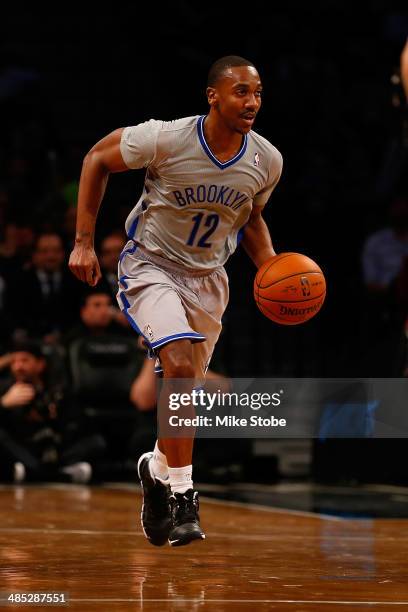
(289, 288)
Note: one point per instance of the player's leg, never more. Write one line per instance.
(177, 360)
(178, 377)
(171, 461)
(165, 308)
(155, 515)
(154, 308)
(176, 364)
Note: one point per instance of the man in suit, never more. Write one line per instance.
(110, 250)
(45, 297)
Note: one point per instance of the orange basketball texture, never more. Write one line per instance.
(289, 288)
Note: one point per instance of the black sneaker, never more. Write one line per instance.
(184, 512)
(155, 516)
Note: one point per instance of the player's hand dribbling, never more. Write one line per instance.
(84, 264)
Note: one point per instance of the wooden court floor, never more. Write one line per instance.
(87, 542)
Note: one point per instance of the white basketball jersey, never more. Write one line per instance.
(193, 206)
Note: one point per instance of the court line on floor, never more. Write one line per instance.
(272, 509)
(249, 506)
(279, 510)
(252, 601)
(278, 488)
(212, 534)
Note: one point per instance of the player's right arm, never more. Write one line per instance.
(105, 157)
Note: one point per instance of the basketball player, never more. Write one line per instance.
(207, 181)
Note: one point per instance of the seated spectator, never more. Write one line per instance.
(103, 361)
(143, 395)
(6, 328)
(385, 274)
(17, 239)
(96, 317)
(143, 390)
(109, 253)
(16, 246)
(110, 249)
(45, 297)
(38, 434)
(386, 250)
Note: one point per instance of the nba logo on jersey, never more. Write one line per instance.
(256, 159)
(148, 332)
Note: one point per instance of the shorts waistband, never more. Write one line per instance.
(172, 266)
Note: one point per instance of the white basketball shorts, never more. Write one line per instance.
(164, 301)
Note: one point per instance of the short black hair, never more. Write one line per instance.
(220, 65)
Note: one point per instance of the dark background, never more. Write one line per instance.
(69, 75)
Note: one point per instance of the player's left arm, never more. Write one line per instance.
(257, 240)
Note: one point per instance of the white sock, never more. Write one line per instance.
(158, 465)
(181, 478)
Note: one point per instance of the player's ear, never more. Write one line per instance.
(212, 96)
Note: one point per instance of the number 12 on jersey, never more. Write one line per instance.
(211, 221)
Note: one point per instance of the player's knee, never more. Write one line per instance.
(177, 366)
(179, 369)
(177, 360)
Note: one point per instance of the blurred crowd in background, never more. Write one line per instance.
(335, 108)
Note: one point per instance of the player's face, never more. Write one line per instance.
(237, 98)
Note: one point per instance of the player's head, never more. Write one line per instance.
(234, 92)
